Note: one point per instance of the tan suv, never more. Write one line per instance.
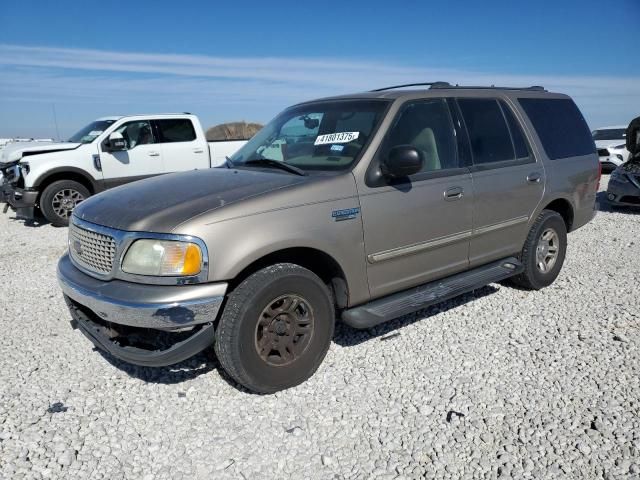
(361, 208)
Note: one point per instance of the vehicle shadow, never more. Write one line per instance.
(345, 336)
(36, 222)
(199, 364)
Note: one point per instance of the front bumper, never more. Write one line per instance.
(21, 200)
(116, 314)
(623, 193)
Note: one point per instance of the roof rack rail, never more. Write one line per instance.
(535, 88)
(429, 84)
(433, 85)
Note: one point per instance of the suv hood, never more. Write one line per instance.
(15, 151)
(161, 203)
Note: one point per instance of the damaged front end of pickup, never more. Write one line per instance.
(13, 192)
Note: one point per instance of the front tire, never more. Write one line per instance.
(543, 252)
(276, 328)
(60, 198)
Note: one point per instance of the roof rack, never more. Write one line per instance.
(535, 88)
(432, 85)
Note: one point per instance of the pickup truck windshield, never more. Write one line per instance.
(91, 131)
(322, 136)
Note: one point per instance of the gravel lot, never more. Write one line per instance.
(495, 384)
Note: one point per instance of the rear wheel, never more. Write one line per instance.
(543, 252)
(60, 198)
(276, 328)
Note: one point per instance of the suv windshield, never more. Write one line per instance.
(609, 134)
(91, 131)
(323, 136)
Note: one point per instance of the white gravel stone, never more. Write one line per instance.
(546, 389)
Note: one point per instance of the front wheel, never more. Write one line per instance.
(543, 252)
(276, 328)
(60, 198)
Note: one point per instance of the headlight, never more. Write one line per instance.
(624, 145)
(163, 258)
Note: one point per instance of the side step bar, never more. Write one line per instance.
(408, 301)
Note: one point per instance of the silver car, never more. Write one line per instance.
(359, 208)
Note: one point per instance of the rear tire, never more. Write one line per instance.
(543, 252)
(276, 328)
(60, 198)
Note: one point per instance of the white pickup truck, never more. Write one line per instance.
(106, 153)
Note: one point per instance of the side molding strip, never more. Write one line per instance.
(418, 247)
(501, 225)
(442, 241)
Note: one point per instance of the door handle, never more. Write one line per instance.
(534, 177)
(154, 154)
(453, 193)
(198, 150)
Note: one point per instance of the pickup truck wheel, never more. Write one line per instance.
(543, 252)
(276, 328)
(59, 199)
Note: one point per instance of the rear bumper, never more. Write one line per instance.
(149, 325)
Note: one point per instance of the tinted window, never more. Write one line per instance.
(488, 132)
(519, 142)
(427, 126)
(176, 130)
(560, 126)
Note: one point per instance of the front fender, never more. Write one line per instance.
(235, 244)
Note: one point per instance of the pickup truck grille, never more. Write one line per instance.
(93, 251)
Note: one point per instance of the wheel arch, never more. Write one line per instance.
(564, 208)
(319, 262)
(66, 173)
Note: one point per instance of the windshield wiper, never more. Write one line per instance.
(228, 162)
(274, 163)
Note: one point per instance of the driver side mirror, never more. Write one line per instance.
(402, 161)
(116, 142)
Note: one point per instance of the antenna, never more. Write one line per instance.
(55, 120)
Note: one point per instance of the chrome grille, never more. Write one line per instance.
(93, 251)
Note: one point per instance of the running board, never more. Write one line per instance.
(409, 301)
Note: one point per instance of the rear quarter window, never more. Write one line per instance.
(560, 127)
(176, 130)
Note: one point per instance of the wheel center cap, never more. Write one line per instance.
(280, 327)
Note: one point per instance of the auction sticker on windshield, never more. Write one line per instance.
(342, 137)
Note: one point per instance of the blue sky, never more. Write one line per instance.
(248, 60)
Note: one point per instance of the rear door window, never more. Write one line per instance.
(488, 131)
(176, 130)
(560, 127)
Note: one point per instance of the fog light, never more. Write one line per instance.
(611, 196)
